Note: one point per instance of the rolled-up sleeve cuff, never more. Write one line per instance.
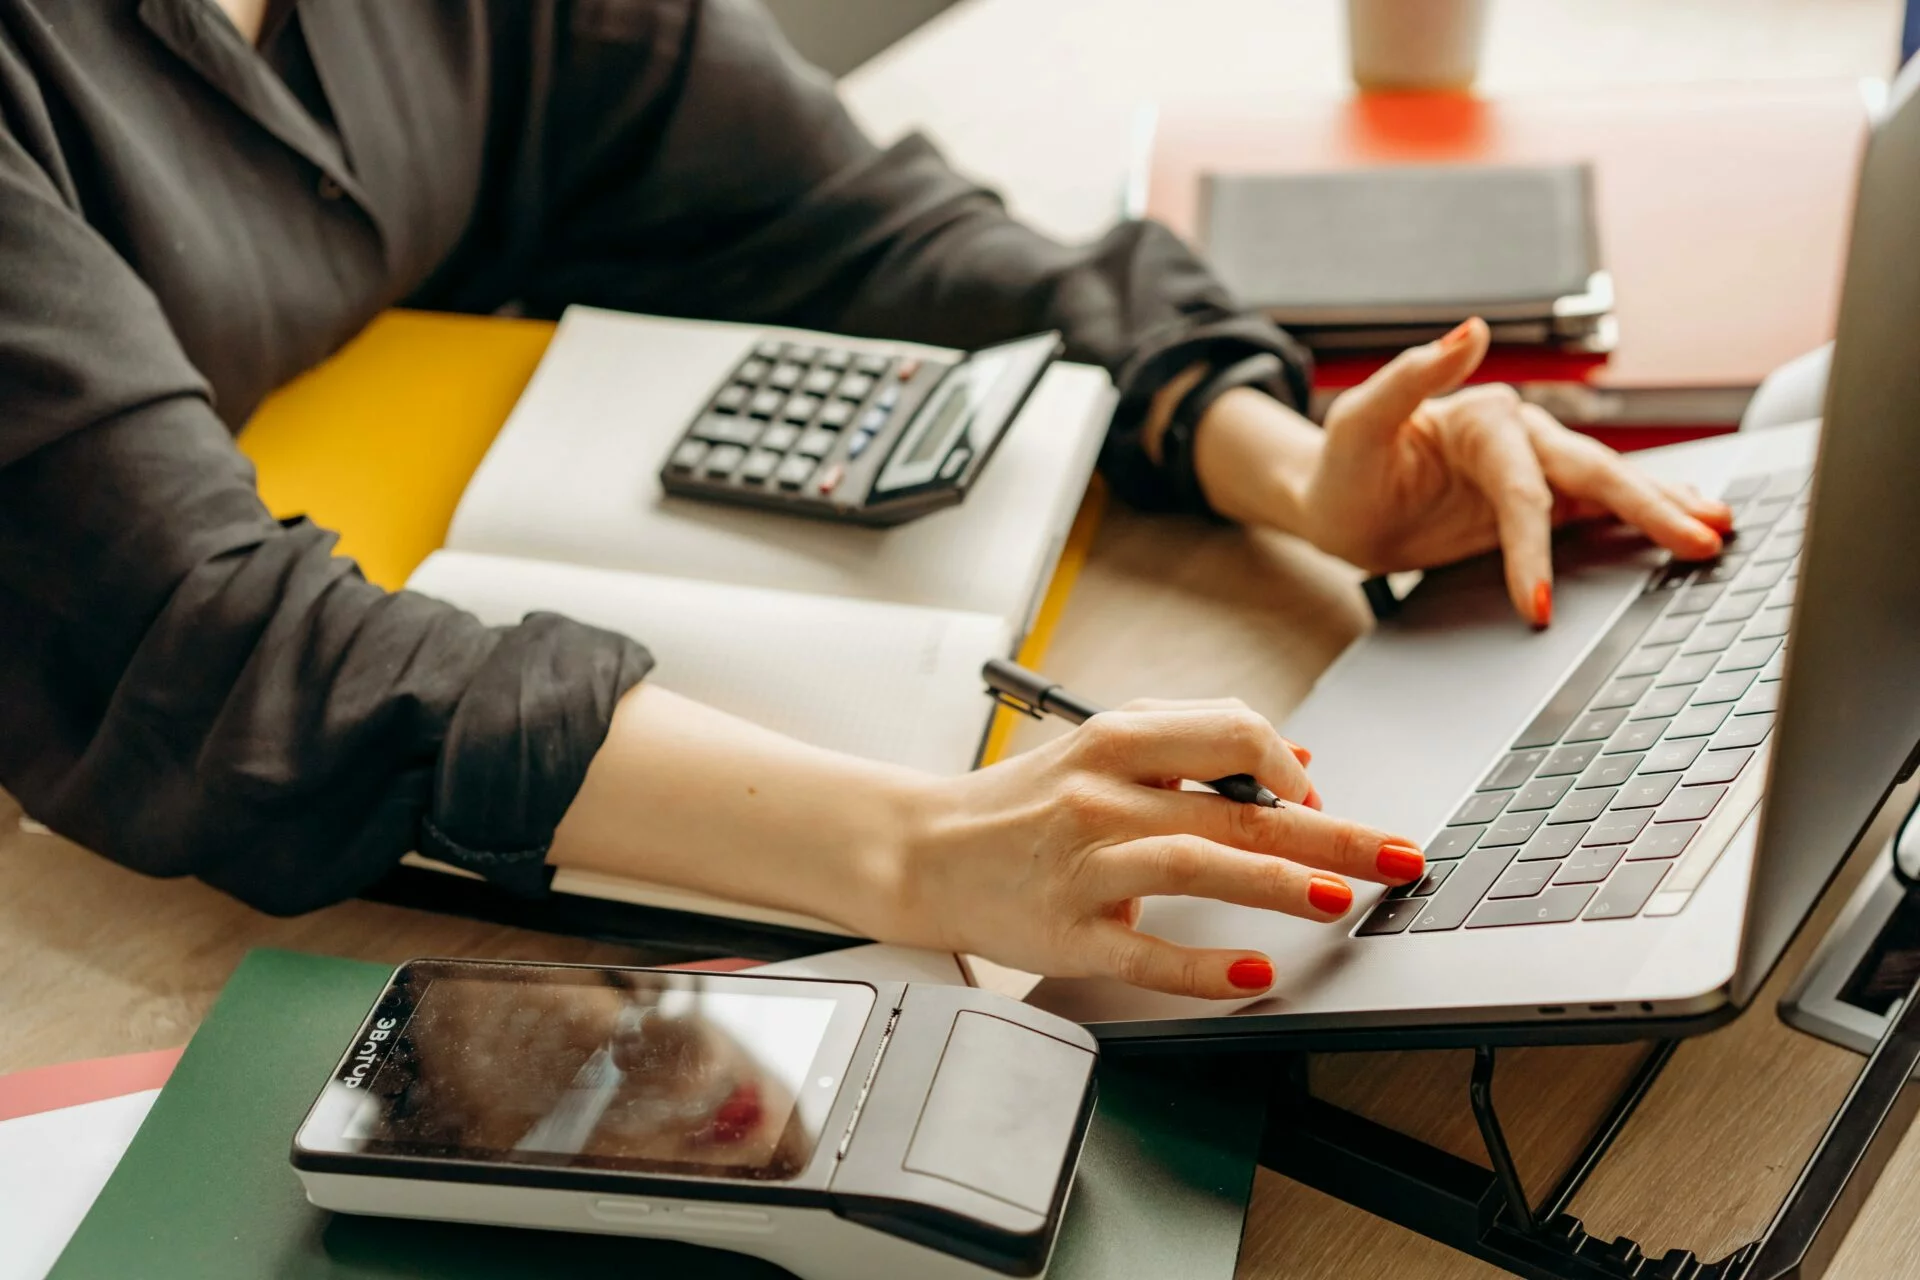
(519, 743)
(1124, 460)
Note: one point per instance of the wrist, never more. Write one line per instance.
(1255, 460)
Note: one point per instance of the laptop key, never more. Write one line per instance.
(1451, 843)
(1617, 828)
(1430, 883)
(1626, 891)
(1648, 660)
(1662, 842)
(1690, 804)
(1391, 916)
(1542, 793)
(1596, 725)
(1636, 735)
(1718, 766)
(1781, 546)
(1688, 670)
(1745, 731)
(1647, 792)
(1663, 702)
(1737, 608)
(1556, 906)
(1698, 722)
(1609, 771)
(1621, 693)
(1671, 629)
(1569, 759)
(1448, 908)
(1589, 866)
(1672, 757)
(1725, 686)
(1740, 488)
(1514, 770)
(1512, 828)
(1711, 638)
(1523, 880)
(1483, 806)
(1765, 697)
(1776, 666)
(1550, 844)
(1748, 655)
(1583, 806)
(1696, 599)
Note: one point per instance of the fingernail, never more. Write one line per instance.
(1457, 335)
(1330, 896)
(1300, 753)
(1313, 798)
(1401, 863)
(1713, 542)
(1542, 603)
(1251, 975)
(1719, 518)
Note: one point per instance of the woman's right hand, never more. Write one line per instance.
(1040, 862)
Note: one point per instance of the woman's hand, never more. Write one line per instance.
(1040, 862)
(1414, 472)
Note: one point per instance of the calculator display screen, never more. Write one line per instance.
(711, 1075)
(933, 431)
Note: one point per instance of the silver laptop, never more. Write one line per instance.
(1628, 816)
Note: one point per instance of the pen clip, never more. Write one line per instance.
(1007, 700)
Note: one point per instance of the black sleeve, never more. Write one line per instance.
(192, 688)
(696, 166)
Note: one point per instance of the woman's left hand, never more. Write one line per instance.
(1413, 471)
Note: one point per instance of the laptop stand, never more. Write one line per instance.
(1488, 1214)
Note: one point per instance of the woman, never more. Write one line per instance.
(201, 198)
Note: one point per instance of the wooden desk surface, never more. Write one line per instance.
(96, 960)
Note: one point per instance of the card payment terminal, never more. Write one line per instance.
(842, 1130)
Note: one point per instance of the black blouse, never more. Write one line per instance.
(191, 687)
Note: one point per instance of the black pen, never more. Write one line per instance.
(1012, 685)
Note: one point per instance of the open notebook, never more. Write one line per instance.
(864, 640)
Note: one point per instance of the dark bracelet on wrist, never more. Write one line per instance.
(1176, 445)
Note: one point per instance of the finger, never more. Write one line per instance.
(1586, 468)
(1142, 960)
(1383, 402)
(1149, 746)
(1183, 704)
(1293, 832)
(1711, 512)
(1501, 463)
(1194, 867)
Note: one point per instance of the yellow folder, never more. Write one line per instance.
(378, 444)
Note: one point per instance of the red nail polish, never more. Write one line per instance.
(1456, 335)
(1401, 863)
(1251, 975)
(1330, 896)
(1313, 799)
(1542, 603)
(1720, 519)
(1300, 753)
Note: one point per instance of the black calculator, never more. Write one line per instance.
(856, 434)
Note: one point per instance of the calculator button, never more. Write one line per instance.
(780, 436)
(765, 404)
(955, 462)
(800, 408)
(835, 358)
(871, 365)
(907, 367)
(724, 459)
(688, 455)
(856, 386)
(873, 420)
(889, 396)
(838, 413)
(733, 399)
(819, 382)
(752, 371)
(767, 350)
(786, 376)
(723, 428)
(794, 471)
(759, 465)
(831, 477)
(817, 443)
(858, 444)
(802, 355)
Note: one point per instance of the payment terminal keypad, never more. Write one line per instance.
(809, 428)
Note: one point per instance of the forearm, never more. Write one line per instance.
(684, 795)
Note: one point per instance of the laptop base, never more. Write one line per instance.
(1487, 1213)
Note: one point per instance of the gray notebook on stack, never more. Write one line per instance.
(1384, 257)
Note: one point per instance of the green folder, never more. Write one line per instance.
(205, 1191)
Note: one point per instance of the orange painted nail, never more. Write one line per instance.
(1313, 798)
(1542, 603)
(1300, 753)
(1330, 896)
(1251, 975)
(1719, 519)
(1456, 335)
(1401, 863)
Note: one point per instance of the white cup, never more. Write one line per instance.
(1415, 44)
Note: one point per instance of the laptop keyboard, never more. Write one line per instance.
(1616, 799)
